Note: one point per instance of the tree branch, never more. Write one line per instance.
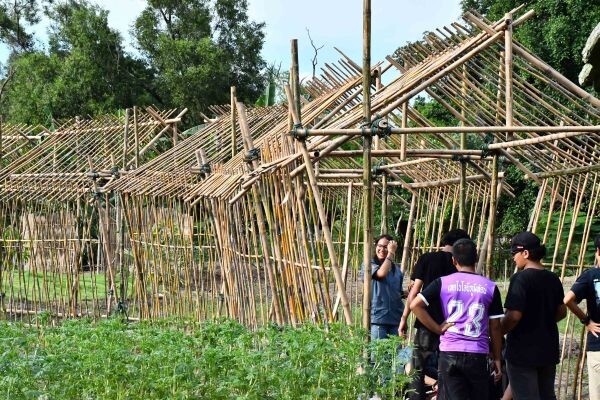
(316, 49)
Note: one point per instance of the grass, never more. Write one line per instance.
(53, 285)
(222, 360)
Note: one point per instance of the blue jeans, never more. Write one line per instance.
(383, 331)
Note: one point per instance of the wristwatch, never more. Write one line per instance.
(585, 320)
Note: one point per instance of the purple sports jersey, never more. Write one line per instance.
(466, 299)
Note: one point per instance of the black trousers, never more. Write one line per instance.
(425, 351)
(463, 376)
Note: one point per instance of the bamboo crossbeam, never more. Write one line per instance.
(568, 172)
(459, 129)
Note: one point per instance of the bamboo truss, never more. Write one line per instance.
(261, 214)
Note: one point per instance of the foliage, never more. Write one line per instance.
(434, 112)
(84, 72)
(556, 34)
(513, 214)
(223, 360)
(193, 64)
(191, 53)
(15, 17)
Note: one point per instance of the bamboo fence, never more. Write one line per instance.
(261, 214)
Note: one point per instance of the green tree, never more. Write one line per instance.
(84, 72)
(193, 64)
(556, 34)
(15, 18)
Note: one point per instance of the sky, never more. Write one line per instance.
(331, 23)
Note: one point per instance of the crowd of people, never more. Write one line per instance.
(465, 340)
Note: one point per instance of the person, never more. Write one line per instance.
(587, 287)
(386, 297)
(428, 268)
(472, 307)
(533, 307)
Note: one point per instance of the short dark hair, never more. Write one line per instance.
(452, 236)
(464, 252)
(530, 242)
(384, 236)
(597, 242)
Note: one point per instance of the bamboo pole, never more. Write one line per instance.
(126, 138)
(404, 124)
(136, 138)
(384, 205)
(233, 133)
(322, 216)
(409, 232)
(367, 165)
(260, 214)
(558, 132)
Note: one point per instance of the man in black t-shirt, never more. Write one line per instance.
(428, 268)
(533, 308)
(587, 287)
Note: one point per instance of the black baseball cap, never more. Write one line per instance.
(524, 241)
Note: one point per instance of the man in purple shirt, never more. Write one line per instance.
(472, 309)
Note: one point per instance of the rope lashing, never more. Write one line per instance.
(485, 147)
(298, 133)
(205, 169)
(252, 154)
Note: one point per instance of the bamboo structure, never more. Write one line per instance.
(277, 228)
(59, 244)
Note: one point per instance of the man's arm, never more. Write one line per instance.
(414, 291)
(496, 335)
(561, 312)
(510, 320)
(418, 307)
(570, 301)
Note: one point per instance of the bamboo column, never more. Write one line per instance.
(384, 200)
(322, 215)
(403, 136)
(508, 68)
(462, 214)
(233, 109)
(409, 230)
(126, 138)
(136, 137)
(260, 214)
(367, 178)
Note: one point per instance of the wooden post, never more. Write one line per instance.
(120, 247)
(104, 223)
(508, 64)
(136, 137)
(175, 134)
(322, 216)
(462, 200)
(409, 231)
(296, 79)
(233, 110)
(508, 71)
(403, 136)
(384, 200)
(377, 75)
(492, 216)
(260, 214)
(1, 141)
(126, 138)
(367, 178)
